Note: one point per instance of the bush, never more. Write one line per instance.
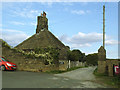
(76, 55)
(4, 44)
(91, 59)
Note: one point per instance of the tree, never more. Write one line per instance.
(91, 59)
(75, 55)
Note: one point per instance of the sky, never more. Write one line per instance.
(78, 25)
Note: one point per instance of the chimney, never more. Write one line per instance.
(42, 22)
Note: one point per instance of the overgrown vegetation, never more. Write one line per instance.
(104, 78)
(4, 44)
(53, 53)
(77, 55)
(46, 56)
(50, 55)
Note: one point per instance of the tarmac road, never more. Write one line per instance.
(80, 78)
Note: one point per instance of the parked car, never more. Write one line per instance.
(7, 65)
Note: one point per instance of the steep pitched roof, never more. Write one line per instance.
(44, 39)
(41, 40)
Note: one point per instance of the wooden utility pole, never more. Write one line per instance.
(104, 26)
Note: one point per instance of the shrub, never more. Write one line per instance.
(91, 59)
(76, 55)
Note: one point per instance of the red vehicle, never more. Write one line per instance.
(6, 65)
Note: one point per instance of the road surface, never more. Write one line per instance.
(80, 78)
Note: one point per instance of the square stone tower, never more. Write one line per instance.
(102, 60)
(42, 22)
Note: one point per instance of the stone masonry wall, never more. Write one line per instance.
(76, 64)
(101, 66)
(101, 60)
(105, 66)
(110, 63)
(25, 63)
(63, 65)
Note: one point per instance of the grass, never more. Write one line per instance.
(69, 69)
(111, 81)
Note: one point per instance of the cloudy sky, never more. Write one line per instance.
(77, 24)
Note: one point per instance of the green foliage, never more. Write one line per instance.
(46, 62)
(75, 55)
(32, 54)
(48, 55)
(68, 47)
(4, 44)
(91, 59)
(112, 81)
(98, 74)
(53, 53)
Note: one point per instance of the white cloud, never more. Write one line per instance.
(88, 11)
(13, 37)
(33, 23)
(111, 42)
(23, 23)
(80, 12)
(83, 38)
(49, 4)
(67, 3)
(84, 3)
(80, 45)
(86, 40)
(26, 13)
(59, 0)
(0, 25)
(17, 23)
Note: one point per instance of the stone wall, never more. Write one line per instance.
(36, 66)
(63, 65)
(42, 22)
(110, 63)
(48, 68)
(101, 66)
(26, 63)
(105, 66)
(76, 64)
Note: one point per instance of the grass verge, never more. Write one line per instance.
(111, 81)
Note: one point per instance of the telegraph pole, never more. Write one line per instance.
(104, 26)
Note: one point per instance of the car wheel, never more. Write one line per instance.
(3, 68)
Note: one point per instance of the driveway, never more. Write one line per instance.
(80, 78)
